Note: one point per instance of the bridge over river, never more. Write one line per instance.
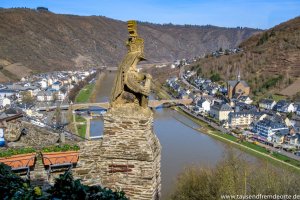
(105, 105)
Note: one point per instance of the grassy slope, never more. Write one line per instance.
(84, 94)
(81, 128)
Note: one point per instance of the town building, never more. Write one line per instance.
(298, 111)
(220, 111)
(237, 88)
(284, 106)
(295, 140)
(4, 102)
(203, 105)
(50, 81)
(60, 95)
(7, 93)
(245, 99)
(267, 104)
(56, 85)
(243, 118)
(45, 96)
(296, 126)
(268, 127)
(44, 84)
(183, 94)
(277, 138)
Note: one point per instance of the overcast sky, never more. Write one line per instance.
(229, 13)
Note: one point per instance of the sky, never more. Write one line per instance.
(261, 14)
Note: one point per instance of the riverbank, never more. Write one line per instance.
(85, 95)
(246, 146)
(253, 149)
(80, 125)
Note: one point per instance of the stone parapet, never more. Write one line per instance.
(127, 158)
(131, 153)
(87, 168)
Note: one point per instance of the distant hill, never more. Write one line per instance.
(270, 61)
(44, 41)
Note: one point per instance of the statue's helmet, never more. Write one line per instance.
(135, 43)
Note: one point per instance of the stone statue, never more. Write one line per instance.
(130, 85)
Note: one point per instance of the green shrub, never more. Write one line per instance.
(12, 152)
(61, 148)
(65, 187)
(234, 176)
(272, 82)
(265, 37)
(14, 187)
(215, 77)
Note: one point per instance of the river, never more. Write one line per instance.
(182, 146)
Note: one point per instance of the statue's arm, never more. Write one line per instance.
(142, 76)
(132, 81)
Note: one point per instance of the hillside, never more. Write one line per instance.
(44, 41)
(270, 61)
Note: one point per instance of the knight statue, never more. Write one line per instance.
(130, 85)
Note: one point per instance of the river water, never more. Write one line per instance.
(182, 146)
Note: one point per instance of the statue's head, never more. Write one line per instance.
(135, 43)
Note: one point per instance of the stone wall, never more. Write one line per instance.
(88, 168)
(128, 156)
(33, 136)
(21, 134)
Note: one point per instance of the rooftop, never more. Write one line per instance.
(221, 107)
(267, 101)
(234, 83)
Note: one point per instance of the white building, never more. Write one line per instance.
(203, 105)
(44, 83)
(56, 85)
(7, 93)
(50, 81)
(285, 106)
(45, 96)
(267, 127)
(4, 101)
(277, 138)
(245, 99)
(60, 96)
(294, 140)
(289, 108)
(242, 119)
(267, 104)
